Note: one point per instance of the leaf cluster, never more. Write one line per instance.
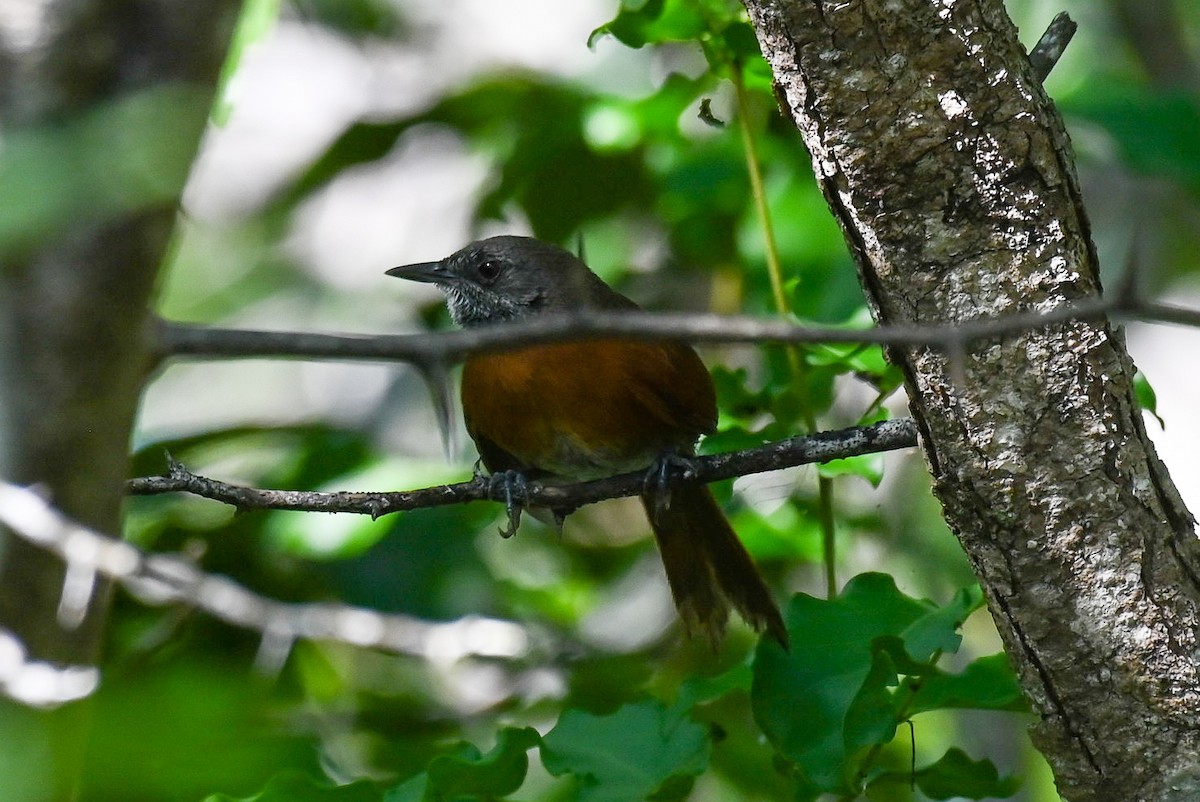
(862, 665)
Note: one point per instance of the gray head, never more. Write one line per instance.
(506, 278)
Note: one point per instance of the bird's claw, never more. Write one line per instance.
(560, 518)
(511, 488)
(662, 474)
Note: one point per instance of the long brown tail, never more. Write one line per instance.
(708, 567)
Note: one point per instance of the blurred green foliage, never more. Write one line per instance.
(180, 714)
(129, 155)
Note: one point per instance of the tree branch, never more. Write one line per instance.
(1050, 47)
(803, 450)
(435, 348)
(165, 579)
(38, 683)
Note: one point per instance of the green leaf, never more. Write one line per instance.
(865, 466)
(815, 701)
(827, 701)
(735, 396)
(641, 751)
(701, 690)
(638, 24)
(498, 773)
(937, 631)
(862, 359)
(955, 774)
(732, 45)
(658, 114)
(740, 41)
(293, 787)
(872, 716)
(1146, 397)
(466, 774)
(411, 790)
(985, 684)
(359, 18)
(890, 650)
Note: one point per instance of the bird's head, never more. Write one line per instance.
(508, 277)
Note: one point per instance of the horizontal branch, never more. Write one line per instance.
(162, 579)
(1153, 312)
(802, 450)
(167, 579)
(428, 349)
(432, 349)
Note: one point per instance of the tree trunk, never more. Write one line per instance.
(951, 174)
(76, 275)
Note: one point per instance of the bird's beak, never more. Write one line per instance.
(427, 272)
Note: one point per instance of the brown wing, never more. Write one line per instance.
(587, 408)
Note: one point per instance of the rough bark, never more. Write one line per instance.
(951, 174)
(73, 306)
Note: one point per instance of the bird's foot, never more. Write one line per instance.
(667, 470)
(512, 488)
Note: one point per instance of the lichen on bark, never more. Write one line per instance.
(952, 176)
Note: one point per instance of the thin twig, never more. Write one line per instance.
(822, 447)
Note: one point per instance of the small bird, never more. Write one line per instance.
(593, 408)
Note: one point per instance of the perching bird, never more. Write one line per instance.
(593, 408)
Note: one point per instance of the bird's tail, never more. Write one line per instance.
(708, 568)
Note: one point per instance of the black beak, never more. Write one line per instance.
(427, 272)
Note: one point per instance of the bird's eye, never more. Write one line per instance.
(489, 270)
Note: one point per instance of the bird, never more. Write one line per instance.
(586, 409)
